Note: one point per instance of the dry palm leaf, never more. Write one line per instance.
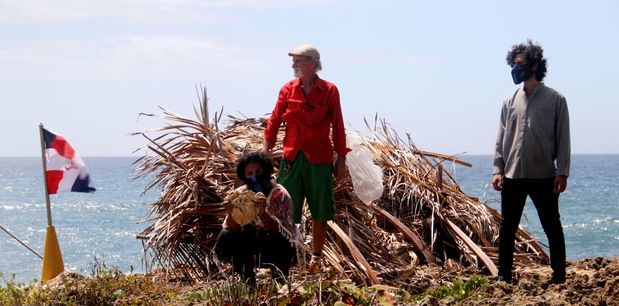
(422, 216)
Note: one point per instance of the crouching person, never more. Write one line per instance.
(258, 230)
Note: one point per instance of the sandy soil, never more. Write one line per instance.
(592, 281)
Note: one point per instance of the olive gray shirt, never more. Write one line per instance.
(533, 135)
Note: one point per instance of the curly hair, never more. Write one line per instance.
(533, 54)
(259, 157)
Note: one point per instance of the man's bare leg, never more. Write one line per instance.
(319, 233)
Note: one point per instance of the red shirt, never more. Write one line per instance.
(309, 119)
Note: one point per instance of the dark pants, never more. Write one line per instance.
(251, 248)
(513, 198)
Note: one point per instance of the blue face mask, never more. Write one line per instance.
(521, 73)
(258, 183)
(255, 185)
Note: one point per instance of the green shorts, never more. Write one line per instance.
(308, 181)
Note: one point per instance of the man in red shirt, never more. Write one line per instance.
(310, 108)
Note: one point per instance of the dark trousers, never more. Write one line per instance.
(513, 198)
(252, 248)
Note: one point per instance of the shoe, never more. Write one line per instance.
(557, 280)
(284, 290)
(263, 273)
(501, 278)
(315, 265)
(553, 281)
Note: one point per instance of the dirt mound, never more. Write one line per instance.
(593, 281)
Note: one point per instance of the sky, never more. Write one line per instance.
(434, 69)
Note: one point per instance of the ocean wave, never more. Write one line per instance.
(92, 206)
(603, 220)
(13, 206)
(35, 230)
(124, 234)
(593, 223)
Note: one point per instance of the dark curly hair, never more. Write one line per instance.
(259, 157)
(533, 54)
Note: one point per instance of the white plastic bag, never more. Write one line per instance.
(367, 177)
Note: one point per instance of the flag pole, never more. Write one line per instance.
(52, 256)
(18, 240)
(47, 201)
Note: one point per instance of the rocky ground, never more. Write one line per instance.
(593, 281)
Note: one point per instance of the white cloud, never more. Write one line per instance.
(128, 58)
(68, 11)
(86, 40)
(144, 11)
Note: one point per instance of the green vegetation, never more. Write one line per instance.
(475, 287)
(106, 286)
(109, 286)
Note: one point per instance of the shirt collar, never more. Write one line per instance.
(537, 87)
(320, 83)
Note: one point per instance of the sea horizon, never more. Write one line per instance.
(140, 155)
(104, 225)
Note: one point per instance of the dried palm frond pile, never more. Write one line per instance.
(423, 217)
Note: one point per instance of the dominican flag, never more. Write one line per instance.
(65, 170)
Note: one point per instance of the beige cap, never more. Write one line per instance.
(306, 50)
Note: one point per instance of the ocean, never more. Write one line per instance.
(103, 225)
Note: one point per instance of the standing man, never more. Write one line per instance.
(532, 157)
(310, 108)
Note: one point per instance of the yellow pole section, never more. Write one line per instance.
(52, 257)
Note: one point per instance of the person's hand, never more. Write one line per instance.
(261, 204)
(497, 182)
(228, 207)
(266, 147)
(560, 183)
(340, 168)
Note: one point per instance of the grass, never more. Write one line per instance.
(106, 286)
(474, 287)
(110, 286)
